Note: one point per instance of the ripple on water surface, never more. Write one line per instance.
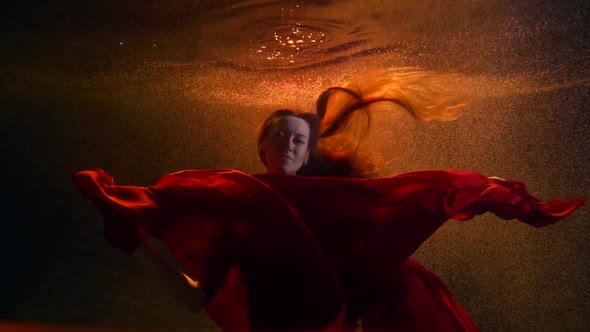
(277, 35)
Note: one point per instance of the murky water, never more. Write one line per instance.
(141, 90)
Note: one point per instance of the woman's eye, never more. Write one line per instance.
(298, 141)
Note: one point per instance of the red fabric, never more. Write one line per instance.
(291, 252)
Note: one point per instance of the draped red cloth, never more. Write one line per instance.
(278, 252)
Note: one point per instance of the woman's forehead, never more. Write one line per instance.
(293, 124)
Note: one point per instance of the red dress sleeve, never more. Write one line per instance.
(233, 234)
(293, 243)
(395, 215)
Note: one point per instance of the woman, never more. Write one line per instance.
(275, 251)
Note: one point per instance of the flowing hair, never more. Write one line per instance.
(343, 117)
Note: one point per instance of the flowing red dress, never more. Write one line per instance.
(280, 252)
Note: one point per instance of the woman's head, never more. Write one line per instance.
(286, 140)
(338, 148)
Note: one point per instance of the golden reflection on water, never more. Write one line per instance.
(295, 41)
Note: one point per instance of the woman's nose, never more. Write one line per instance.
(287, 144)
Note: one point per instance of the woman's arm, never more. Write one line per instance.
(182, 288)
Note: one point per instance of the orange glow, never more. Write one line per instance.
(40, 327)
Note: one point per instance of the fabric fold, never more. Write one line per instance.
(308, 249)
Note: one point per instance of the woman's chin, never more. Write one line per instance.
(280, 171)
(283, 168)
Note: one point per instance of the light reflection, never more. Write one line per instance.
(292, 38)
(292, 41)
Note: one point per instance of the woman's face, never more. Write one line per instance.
(286, 145)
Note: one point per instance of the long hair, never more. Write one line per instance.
(343, 117)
